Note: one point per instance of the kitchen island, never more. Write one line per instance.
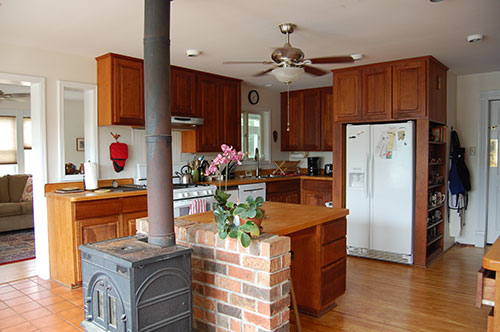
(318, 247)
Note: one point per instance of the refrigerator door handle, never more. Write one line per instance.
(367, 164)
(371, 175)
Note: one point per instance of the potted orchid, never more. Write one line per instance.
(228, 156)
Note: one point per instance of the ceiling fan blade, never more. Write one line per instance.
(246, 62)
(262, 73)
(315, 71)
(16, 100)
(332, 59)
(18, 95)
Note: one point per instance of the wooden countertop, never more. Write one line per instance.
(284, 218)
(90, 195)
(491, 260)
(237, 181)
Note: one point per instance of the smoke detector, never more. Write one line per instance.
(357, 56)
(192, 52)
(475, 38)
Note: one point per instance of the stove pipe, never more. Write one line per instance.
(158, 122)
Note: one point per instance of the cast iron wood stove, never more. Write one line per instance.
(131, 285)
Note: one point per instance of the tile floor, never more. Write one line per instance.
(34, 304)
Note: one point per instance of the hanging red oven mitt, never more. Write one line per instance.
(118, 152)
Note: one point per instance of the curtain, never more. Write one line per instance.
(8, 142)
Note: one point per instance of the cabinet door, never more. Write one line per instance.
(327, 119)
(128, 87)
(316, 192)
(231, 109)
(183, 92)
(376, 97)
(311, 121)
(129, 221)
(208, 103)
(437, 92)
(292, 197)
(292, 140)
(347, 96)
(409, 89)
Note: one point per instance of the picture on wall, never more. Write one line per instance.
(80, 144)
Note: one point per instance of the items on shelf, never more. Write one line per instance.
(435, 178)
(438, 134)
(436, 198)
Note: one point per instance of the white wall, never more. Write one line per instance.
(469, 88)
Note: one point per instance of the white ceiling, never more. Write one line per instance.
(247, 30)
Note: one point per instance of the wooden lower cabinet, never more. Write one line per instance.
(320, 278)
(287, 191)
(315, 192)
(72, 223)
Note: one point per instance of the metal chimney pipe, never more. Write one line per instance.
(158, 122)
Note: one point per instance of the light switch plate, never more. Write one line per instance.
(472, 151)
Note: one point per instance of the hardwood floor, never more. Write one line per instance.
(16, 271)
(385, 296)
(380, 296)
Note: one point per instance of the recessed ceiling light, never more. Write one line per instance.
(357, 56)
(192, 52)
(268, 85)
(475, 38)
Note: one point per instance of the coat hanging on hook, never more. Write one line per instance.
(118, 153)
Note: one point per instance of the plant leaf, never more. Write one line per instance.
(238, 210)
(255, 232)
(259, 214)
(250, 200)
(245, 240)
(222, 234)
(252, 212)
(259, 200)
(233, 234)
(246, 228)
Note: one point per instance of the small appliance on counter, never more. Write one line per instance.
(328, 170)
(312, 166)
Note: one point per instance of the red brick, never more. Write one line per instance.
(231, 244)
(286, 260)
(235, 325)
(227, 256)
(243, 302)
(256, 263)
(196, 263)
(216, 293)
(285, 316)
(198, 288)
(275, 246)
(275, 264)
(204, 277)
(249, 328)
(198, 312)
(241, 273)
(210, 317)
(262, 321)
(228, 284)
(203, 302)
(271, 309)
(266, 279)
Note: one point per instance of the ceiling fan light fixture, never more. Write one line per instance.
(287, 74)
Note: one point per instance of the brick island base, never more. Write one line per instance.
(235, 288)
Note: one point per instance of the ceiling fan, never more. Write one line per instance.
(17, 97)
(289, 62)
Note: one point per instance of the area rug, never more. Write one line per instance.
(17, 246)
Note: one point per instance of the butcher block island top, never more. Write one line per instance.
(284, 218)
(318, 243)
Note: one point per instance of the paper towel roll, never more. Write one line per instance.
(90, 175)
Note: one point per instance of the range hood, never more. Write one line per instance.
(185, 123)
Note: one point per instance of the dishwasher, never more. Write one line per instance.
(254, 189)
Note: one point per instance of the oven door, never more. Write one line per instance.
(181, 207)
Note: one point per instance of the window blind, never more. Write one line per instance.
(27, 133)
(8, 149)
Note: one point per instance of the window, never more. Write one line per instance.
(8, 141)
(255, 133)
(15, 143)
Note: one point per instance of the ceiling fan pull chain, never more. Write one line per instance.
(288, 107)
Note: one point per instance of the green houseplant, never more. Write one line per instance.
(240, 221)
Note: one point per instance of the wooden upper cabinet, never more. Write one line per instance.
(437, 91)
(327, 119)
(409, 89)
(208, 103)
(231, 110)
(311, 121)
(292, 140)
(347, 95)
(120, 84)
(376, 93)
(183, 92)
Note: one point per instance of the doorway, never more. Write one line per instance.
(488, 184)
(39, 152)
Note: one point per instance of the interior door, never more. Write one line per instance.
(493, 231)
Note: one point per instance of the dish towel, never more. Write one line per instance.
(198, 206)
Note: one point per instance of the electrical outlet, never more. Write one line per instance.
(472, 151)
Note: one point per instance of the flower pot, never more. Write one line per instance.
(257, 221)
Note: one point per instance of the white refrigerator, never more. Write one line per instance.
(379, 191)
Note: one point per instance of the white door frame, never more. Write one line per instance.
(482, 184)
(39, 151)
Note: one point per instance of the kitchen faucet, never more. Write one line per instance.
(257, 160)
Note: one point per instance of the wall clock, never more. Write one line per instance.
(253, 97)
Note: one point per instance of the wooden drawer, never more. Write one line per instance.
(135, 203)
(333, 281)
(95, 209)
(485, 291)
(334, 230)
(333, 251)
(317, 185)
